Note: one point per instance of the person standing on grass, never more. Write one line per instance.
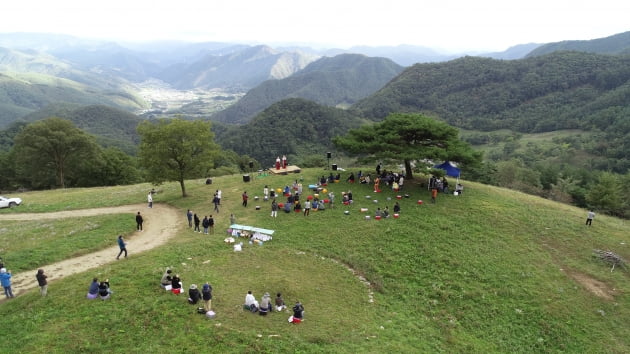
(5, 280)
(434, 193)
(122, 245)
(189, 216)
(139, 222)
(150, 200)
(232, 219)
(206, 295)
(211, 224)
(245, 197)
(206, 224)
(219, 195)
(589, 217)
(42, 282)
(216, 201)
(274, 209)
(307, 207)
(197, 221)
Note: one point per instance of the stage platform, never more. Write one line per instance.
(285, 171)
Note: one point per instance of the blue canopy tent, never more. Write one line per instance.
(451, 170)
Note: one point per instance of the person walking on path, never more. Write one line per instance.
(216, 202)
(189, 216)
(42, 282)
(122, 245)
(197, 221)
(139, 222)
(589, 217)
(245, 197)
(5, 281)
(150, 200)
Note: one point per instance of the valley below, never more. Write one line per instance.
(166, 101)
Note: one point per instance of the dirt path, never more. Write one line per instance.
(160, 223)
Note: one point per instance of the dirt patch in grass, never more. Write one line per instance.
(594, 286)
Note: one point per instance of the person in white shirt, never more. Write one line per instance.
(250, 302)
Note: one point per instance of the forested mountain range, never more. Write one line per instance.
(293, 126)
(338, 81)
(562, 90)
(615, 44)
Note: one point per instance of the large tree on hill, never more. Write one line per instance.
(176, 150)
(407, 137)
(49, 151)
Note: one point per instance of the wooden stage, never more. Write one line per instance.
(285, 171)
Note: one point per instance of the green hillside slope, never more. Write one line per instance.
(111, 126)
(290, 127)
(489, 271)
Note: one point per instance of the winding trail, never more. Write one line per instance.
(160, 224)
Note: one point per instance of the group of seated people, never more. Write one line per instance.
(171, 282)
(99, 290)
(265, 306)
(382, 213)
(174, 284)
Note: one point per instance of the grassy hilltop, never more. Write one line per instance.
(490, 271)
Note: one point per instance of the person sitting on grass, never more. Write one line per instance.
(280, 303)
(265, 304)
(93, 290)
(103, 290)
(176, 285)
(250, 302)
(298, 312)
(166, 280)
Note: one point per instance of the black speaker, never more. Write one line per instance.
(328, 155)
(334, 167)
(251, 164)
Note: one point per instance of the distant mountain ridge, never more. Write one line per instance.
(615, 44)
(340, 80)
(240, 70)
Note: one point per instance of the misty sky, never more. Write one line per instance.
(456, 25)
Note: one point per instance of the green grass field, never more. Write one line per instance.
(490, 271)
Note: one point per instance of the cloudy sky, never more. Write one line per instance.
(456, 25)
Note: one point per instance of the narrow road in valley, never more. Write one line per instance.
(160, 224)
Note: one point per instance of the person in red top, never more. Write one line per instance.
(245, 197)
(434, 192)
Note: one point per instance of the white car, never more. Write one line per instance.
(9, 202)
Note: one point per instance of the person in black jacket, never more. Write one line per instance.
(197, 224)
(103, 290)
(176, 284)
(206, 293)
(41, 280)
(193, 294)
